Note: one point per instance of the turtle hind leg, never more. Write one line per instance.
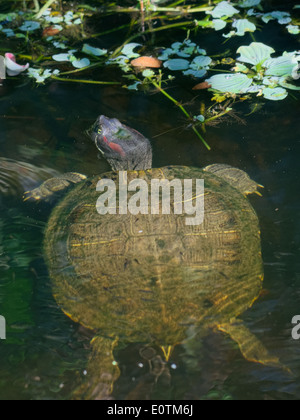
(102, 372)
(54, 187)
(251, 348)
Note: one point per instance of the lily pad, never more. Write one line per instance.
(232, 83)
(255, 53)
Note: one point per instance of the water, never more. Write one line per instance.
(45, 354)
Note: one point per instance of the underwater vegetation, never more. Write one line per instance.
(57, 43)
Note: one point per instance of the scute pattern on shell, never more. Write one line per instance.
(149, 278)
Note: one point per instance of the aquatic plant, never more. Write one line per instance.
(267, 76)
(258, 70)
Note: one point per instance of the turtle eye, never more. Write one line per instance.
(99, 131)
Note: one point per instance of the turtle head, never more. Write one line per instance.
(123, 147)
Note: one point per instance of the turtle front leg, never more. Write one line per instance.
(102, 371)
(53, 186)
(251, 348)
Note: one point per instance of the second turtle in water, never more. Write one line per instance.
(150, 278)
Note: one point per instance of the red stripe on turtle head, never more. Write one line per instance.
(117, 148)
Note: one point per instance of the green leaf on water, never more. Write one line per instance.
(293, 29)
(223, 9)
(177, 64)
(98, 52)
(275, 94)
(255, 53)
(286, 65)
(128, 50)
(219, 24)
(242, 26)
(249, 3)
(80, 64)
(232, 83)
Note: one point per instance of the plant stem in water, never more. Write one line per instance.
(184, 111)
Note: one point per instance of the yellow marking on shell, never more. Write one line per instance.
(167, 351)
(225, 232)
(220, 299)
(162, 172)
(192, 199)
(95, 243)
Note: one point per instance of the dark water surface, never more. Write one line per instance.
(45, 354)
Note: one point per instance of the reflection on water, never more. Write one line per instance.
(45, 353)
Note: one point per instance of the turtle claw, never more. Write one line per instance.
(53, 187)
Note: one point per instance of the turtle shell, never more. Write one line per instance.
(148, 278)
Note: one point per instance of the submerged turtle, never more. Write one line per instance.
(151, 278)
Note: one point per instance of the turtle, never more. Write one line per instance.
(151, 278)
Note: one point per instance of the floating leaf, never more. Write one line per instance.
(128, 50)
(195, 73)
(287, 65)
(177, 64)
(223, 9)
(98, 52)
(9, 32)
(219, 24)
(201, 62)
(255, 53)
(242, 26)
(80, 64)
(294, 30)
(60, 45)
(233, 83)
(134, 86)
(200, 118)
(61, 57)
(239, 67)
(166, 54)
(282, 17)
(148, 73)
(249, 3)
(275, 94)
(282, 82)
(29, 26)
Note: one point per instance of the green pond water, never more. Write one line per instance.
(45, 353)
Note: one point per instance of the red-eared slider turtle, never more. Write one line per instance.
(151, 278)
